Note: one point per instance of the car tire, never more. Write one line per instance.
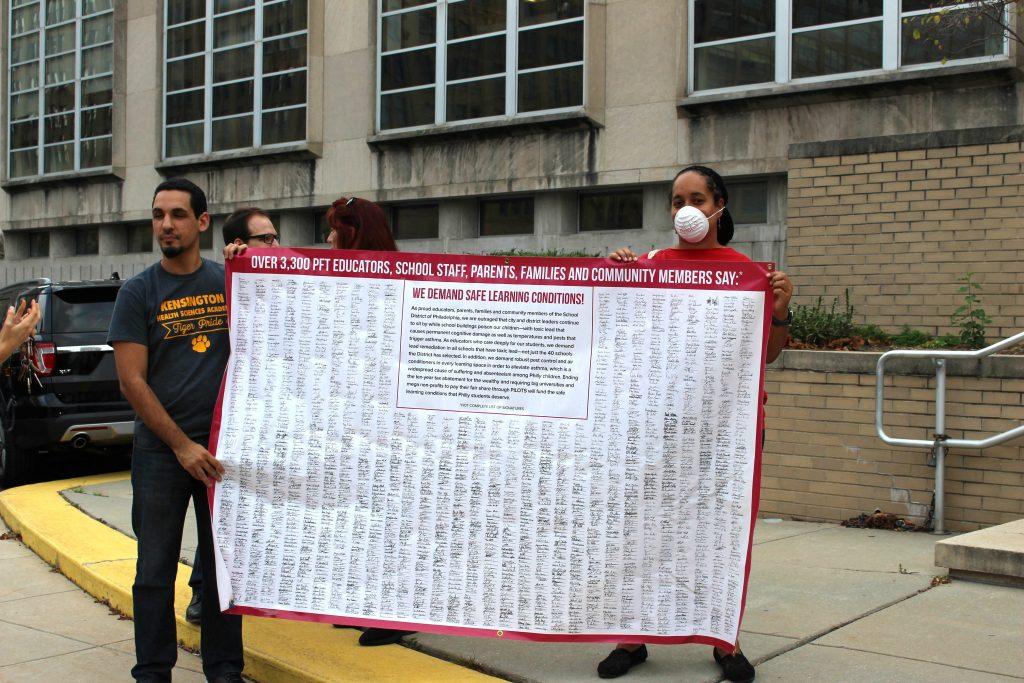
(15, 464)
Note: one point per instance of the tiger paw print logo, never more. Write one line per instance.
(200, 343)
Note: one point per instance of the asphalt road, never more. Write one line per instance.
(52, 466)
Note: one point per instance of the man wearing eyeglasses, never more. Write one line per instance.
(246, 228)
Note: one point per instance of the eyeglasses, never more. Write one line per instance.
(268, 238)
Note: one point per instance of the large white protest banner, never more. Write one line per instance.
(552, 449)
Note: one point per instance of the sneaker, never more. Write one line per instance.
(194, 611)
(620, 661)
(736, 667)
(381, 636)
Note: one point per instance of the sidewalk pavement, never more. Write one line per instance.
(51, 630)
(825, 603)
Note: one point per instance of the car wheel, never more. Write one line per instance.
(14, 465)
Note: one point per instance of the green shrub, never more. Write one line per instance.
(820, 326)
(970, 317)
(907, 337)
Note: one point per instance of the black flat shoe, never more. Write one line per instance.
(620, 661)
(194, 611)
(381, 636)
(736, 667)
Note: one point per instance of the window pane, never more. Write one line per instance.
(408, 30)
(186, 40)
(743, 63)
(390, 5)
(185, 10)
(506, 217)
(24, 163)
(39, 244)
(719, 19)
(612, 211)
(402, 110)
(474, 17)
(912, 5)
(25, 48)
(87, 241)
(550, 46)
(233, 133)
(186, 106)
(415, 222)
(25, 77)
(58, 11)
(93, 6)
(407, 69)
(284, 90)
(95, 153)
(748, 202)
(233, 29)
(979, 38)
(231, 64)
(24, 19)
(60, 98)
(835, 50)
(552, 89)
(285, 17)
(97, 91)
(542, 11)
(25, 105)
(286, 53)
(59, 158)
(97, 60)
(475, 99)
(228, 5)
(185, 73)
(185, 140)
(59, 40)
(24, 134)
(59, 128)
(476, 58)
(96, 30)
(284, 126)
(138, 239)
(60, 69)
(813, 12)
(235, 98)
(96, 122)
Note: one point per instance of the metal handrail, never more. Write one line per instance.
(940, 442)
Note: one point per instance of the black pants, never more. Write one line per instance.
(162, 490)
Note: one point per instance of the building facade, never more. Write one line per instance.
(483, 125)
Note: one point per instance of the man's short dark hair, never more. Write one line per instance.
(197, 198)
(236, 226)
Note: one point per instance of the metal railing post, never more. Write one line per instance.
(939, 516)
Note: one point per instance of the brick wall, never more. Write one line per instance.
(896, 220)
(823, 460)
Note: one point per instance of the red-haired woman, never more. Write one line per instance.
(360, 224)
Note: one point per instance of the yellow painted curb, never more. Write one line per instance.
(102, 561)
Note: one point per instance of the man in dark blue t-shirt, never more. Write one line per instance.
(170, 337)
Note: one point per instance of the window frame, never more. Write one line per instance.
(892, 44)
(496, 199)
(257, 112)
(41, 87)
(394, 209)
(511, 73)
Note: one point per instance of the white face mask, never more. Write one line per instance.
(692, 225)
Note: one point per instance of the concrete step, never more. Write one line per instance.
(993, 555)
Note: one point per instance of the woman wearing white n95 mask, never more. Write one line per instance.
(703, 226)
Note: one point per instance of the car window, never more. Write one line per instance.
(85, 309)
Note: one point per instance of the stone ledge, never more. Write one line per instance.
(865, 362)
(993, 555)
(574, 120)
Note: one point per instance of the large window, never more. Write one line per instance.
(616, 210)
(464, 60)
(506, 217)
(415, 221)
(60, 81)
(234, 75)
(740, 43)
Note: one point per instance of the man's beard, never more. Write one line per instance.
(171, 252)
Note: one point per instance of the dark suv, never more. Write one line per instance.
(60, 391)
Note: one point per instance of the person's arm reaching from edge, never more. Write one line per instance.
(18, 326)
(782, 288)
(132, 361)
